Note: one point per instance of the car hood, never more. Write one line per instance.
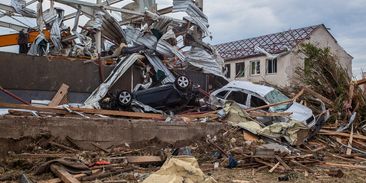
(299, 112)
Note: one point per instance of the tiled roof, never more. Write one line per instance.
(272, 43)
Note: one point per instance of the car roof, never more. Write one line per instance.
(246, 85)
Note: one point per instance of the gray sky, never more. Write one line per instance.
(232, 20)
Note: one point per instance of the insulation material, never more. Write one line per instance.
(179, 169)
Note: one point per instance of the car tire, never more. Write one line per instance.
(182, 82)
(124, 98)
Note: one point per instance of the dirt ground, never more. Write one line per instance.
(224, 175)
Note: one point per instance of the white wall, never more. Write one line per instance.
(279, 79)
(287, 64)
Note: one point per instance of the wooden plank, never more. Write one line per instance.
(61, 94)
(333, 133)
(57, 180)
(279, 159)
(143, 159)
(317, 95)
(269, 105)
(63, 146)
(269, 114)
(344, 165)
(63, 174)
(90, 111)
(349, 148)
(274, 167)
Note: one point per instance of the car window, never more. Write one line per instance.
(257, 102)
(238, 97)
(222, 94)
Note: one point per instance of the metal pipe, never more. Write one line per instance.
(12, 95)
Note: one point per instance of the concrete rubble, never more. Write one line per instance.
(167, 128)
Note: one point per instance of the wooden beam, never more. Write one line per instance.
(63, 174)
(349, 148)
(344, 165)
(269, 105)
(333, 133)
(89, 111)
(269, 114)
(317, 95)
(61, 93)
(143, 159)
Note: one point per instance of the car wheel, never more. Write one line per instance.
(125, 98)
(182, 82)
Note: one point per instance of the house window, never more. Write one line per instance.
(255, 67)
(271, 66)
(228, 71)
(240, 70)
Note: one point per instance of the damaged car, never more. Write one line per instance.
(250, 95)
(169, 96)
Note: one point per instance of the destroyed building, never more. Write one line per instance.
(273, 58)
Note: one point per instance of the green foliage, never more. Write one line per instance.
(324, 75)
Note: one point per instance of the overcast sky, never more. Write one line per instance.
(232, 20)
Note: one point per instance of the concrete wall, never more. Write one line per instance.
(106, 132)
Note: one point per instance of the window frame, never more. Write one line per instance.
(274, 66)
(228, 71)
(236, 70)
(256, 69)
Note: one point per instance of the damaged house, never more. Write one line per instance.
(273, 58)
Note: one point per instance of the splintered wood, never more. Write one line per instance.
(60, 96)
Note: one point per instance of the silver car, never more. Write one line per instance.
(249, 95)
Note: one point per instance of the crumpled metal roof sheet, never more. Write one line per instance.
(272, 43)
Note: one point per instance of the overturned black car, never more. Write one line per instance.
(167, 97)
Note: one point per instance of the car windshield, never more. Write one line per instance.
(276, 96)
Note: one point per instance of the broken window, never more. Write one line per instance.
(257, 102)
(238, 97)
(228, 71)
(221, 94)
(240, 70)
(271, 66)
(255, 67)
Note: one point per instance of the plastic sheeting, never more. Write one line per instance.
(293, 132)
(20, 7)
(100, 92)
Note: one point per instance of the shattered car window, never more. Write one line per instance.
(238, 97)
(257, 102)
(276, 96)
(221, 94)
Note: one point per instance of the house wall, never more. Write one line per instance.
(322, 38)
(287, 64)
(279, 79)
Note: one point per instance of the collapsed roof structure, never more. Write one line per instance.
(144, 33)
